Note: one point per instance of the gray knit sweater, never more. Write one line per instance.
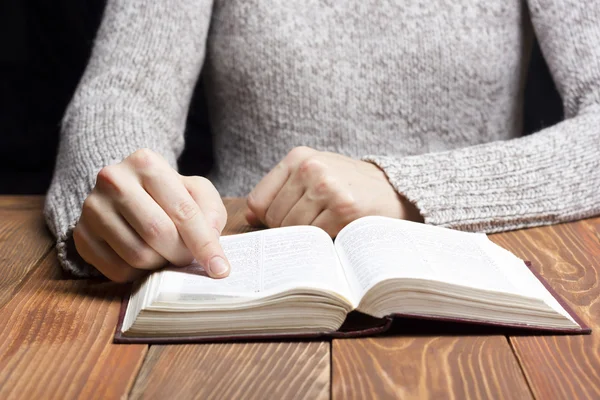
(429, 90)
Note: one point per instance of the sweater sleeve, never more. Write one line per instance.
(134, 94)
(548, 177)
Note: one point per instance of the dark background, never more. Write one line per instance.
(44, 46)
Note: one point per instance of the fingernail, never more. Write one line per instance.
(218, 266)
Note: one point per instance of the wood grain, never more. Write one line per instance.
(568, 257)
(286, 370)
(56, 336)
(426, 367)
(56, 339)
(22, 202)
(236, 216)
(24, 240)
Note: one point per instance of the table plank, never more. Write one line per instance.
(568, 256)
(24, 241)
(58, 339)
(233, 370)
(286, 370)
(22, 202)
(426, 367)
(58, 342)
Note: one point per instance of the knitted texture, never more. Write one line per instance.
(430, 91)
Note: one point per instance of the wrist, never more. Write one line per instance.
(410, 210)
(407, 210)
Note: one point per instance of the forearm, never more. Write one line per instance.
(134, 94)
(549, 177)
(141, 74)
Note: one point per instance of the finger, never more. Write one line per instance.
(327, 221)
(142, 213)
(284, 201)
(165, 186)
(264, 193)
(208, 199)
(309, 187)
(100, 255)
(253, 219)
(108, 225)
(304, 212)
(155, 227)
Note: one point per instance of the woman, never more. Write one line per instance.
(324, 111)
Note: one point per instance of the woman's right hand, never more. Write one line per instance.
(142, 215)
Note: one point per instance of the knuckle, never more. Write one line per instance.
(141, 258)
(143, 159)
(155, 229)
(200, 181)
(298, 153)
(89, 206)
(284, 166)
(203, 189)
(107, 179)
(216, 214)
(345, 205)
(215, 218)
(256, 204)
(185, 210)
(325, 185)
(310, 167)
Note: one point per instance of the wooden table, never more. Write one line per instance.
(56, 337)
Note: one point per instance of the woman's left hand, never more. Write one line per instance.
(328, 190)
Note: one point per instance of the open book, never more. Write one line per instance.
(296, 281)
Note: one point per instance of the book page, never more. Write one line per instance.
(525, 280)
(267, 262)
(378, 248)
